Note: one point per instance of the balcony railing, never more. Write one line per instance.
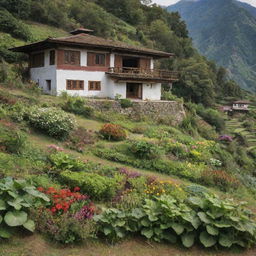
(143, 74)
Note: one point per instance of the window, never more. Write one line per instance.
(52, 57)
(96, 59)
(49, 85)
(72, 58)
(75, 85)
(94, 86)
(100, 59)
(37, 60)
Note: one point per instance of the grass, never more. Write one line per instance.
(36, 246)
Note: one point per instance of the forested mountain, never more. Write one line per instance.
(224, 31)
(132, 21)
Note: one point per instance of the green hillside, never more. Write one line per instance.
(224, 31)
(76, 179)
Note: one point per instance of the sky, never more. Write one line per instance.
(169, 2)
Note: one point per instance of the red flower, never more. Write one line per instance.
(41, 189)
(53, 210)
(76, 189)
(58, 206)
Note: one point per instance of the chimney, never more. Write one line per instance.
(81, 31)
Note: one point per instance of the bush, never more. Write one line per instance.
(113, 132)
(96, 186)
(207, 220)
(11, 25)
(144, 149)
(17, 197)
(77, 105)
(65, 228)
(52, 121)
(79, 138)
(220, 179)
(126, 103)
(11, 140)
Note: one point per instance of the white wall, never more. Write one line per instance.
(151, 91)
(41, 74)
(106, 83)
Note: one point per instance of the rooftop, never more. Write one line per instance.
(80, 38)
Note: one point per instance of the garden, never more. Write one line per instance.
(73, 175)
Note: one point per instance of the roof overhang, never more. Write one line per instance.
(53, 43)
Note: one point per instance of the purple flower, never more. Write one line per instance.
(129, 174)
(86, 212)
(225, 138)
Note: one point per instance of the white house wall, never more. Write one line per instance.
(41, 74)
(151, 91)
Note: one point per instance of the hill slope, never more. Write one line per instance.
(224, 31)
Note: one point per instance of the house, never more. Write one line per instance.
(86, 65)
(236, 106)
(241, 105)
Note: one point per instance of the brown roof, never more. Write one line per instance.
(241, 102)
(90, 41)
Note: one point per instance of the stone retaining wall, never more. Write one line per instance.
(166, 111)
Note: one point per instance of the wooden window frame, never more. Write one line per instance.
(99, 59)
(76, 85)
(94, 86)
(37, 60)
(72, 57)
(52, 55)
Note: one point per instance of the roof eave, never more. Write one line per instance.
(46, 44)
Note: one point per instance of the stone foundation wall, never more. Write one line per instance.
(171, 112)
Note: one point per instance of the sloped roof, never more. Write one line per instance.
(91, 41)
(241, 102)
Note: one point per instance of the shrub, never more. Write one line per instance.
(65, 228)
(79, 138)
(220, 179)
(11, 140)
(77, 105)
(145, 150)
(113, 132)
(17, 197)
(167, 95)
(96, 186)
(126, 103)
(207, 220)
(52, 121)
(11, 25)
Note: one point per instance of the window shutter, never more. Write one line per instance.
(90, 59)
(118, 61)
(60, 57)
(144, 63)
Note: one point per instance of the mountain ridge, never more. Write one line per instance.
(232, 45)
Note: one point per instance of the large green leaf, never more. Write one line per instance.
(15, 218)
(29, 225)
(203, 217)
(107, 230)
(147, 232)
(4, 232)
(207, 240)
(188, 239)
(225, 240)
(169, 237)
(212, 230)
(2, 205)
(178, 228)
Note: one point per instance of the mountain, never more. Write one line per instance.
(224, 31)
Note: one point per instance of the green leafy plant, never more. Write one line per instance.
(17, 197)
(96, 186)
(144, 149)
(126, 103)
(77, 105)
(11, 139)
(206, 219)
(52, 121)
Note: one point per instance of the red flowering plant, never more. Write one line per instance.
(65, 200)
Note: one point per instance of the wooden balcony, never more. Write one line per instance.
(140, 74)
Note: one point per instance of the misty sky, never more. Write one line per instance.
(169, 2)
